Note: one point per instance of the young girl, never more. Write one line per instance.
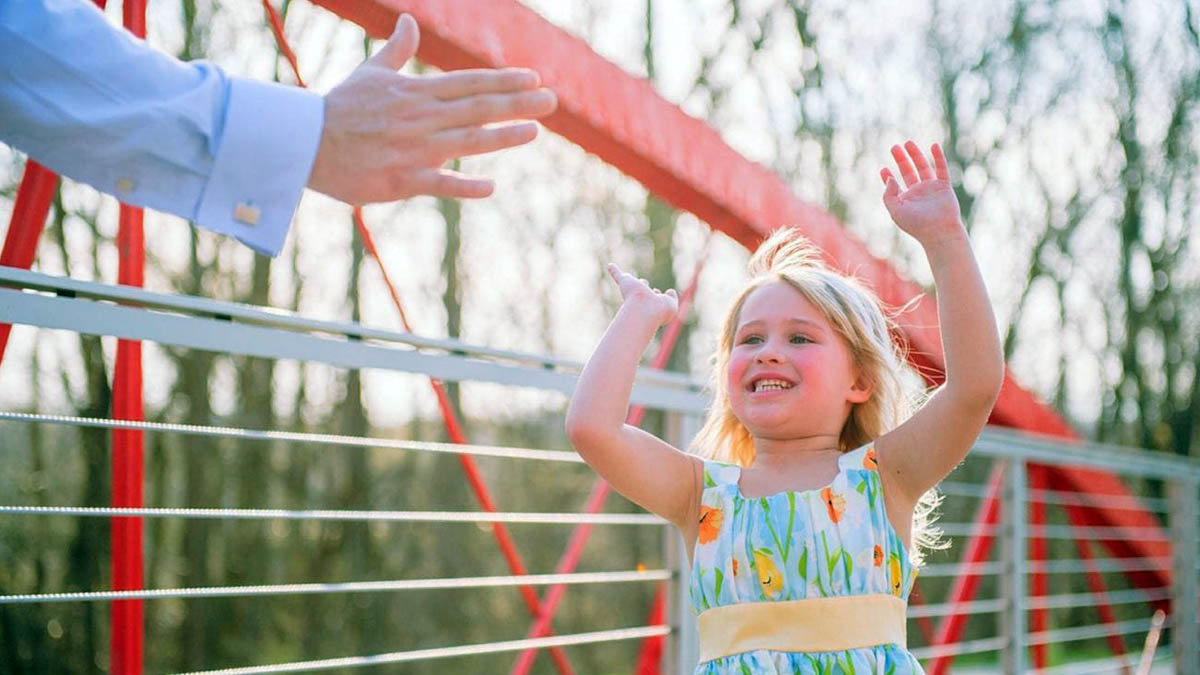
(800, 524)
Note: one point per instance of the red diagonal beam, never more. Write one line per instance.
(1096, 583)
(951, 627)
(449, 418)
(601, 488)
(26, 225)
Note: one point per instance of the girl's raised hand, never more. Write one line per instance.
(926, 208)
(663, 306)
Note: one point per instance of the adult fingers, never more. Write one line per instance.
(463, 141)
(460, 83)
(939, 162)
(401, 46)
(906, 167)
(491, 108)
(449, 184)
(891, 187)
(919, 161)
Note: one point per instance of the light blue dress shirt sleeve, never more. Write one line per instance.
(92, 102)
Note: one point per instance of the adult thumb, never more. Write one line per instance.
(401, 46)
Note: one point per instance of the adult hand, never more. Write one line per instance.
(387, 135)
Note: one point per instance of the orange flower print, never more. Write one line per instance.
(834, 502)
(735, 571)
(869, 460)
(878, 556)
(894, 568)
(710, 523)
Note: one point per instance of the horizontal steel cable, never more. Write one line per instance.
(300, 437)
(1063, 566)
(391, 516)
(447, 652)
(968, 607)
(966, 647)
(1126, 597)
(347, 587)
(1111, 664)
(1093, 532)
(1092, 631)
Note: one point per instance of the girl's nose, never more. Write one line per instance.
(768, 354)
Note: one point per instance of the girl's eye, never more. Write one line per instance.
(800, 339)
(751, 340)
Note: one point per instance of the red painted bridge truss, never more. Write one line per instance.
(684, 162)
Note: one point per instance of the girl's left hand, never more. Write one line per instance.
(927, 208)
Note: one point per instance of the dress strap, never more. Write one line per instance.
(718, 474)
(860, 458)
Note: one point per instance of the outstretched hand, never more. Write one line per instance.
(926, 208)
(662, 305)
(387, 135)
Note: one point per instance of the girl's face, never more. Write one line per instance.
(790, 374)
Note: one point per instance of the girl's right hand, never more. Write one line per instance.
(662, 306)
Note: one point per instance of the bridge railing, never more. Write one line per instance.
(1060, 553)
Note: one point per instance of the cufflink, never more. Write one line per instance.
(246, 214)
(125, 186)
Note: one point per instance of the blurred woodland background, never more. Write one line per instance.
(1072, 131)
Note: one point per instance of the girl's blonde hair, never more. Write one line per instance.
(855, 314)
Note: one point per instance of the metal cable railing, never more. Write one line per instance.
(1136, 540)
(386, 516)
(448, 652)
(451, 583)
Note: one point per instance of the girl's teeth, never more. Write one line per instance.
(771, 386)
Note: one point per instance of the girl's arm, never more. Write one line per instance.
(640, 466)
(921, 451)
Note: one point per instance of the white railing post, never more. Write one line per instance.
(1014, 532)
(1182, 494)
(681, 650)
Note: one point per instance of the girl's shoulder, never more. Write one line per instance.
(720, 474)
(862, 459)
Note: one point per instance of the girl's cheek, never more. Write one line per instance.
(737, 368)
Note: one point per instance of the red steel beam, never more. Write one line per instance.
(1038, 580)
(601, 488)
(128, 625)
(951, 627)
(622, 120)
(26, 225)
(1096, 584)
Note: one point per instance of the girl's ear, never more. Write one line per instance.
(861, 390)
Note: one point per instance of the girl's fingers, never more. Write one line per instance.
(906, 167)
(671, 292)
(918, 159)
(939, 162)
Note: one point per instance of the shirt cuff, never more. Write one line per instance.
(262, 162)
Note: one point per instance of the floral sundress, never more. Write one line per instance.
(832, 541)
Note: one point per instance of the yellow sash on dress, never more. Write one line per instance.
(812, 625)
